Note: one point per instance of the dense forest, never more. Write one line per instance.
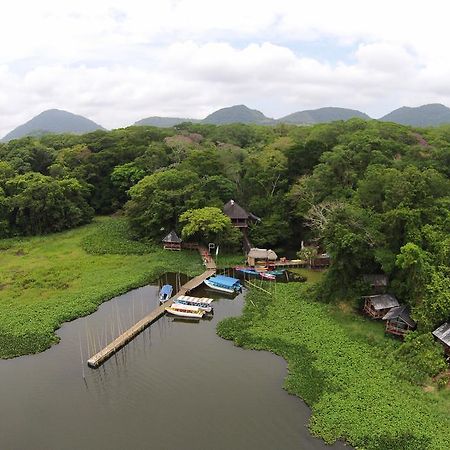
(375, 196)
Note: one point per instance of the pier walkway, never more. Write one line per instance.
(99, 358)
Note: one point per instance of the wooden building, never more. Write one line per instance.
(377, 306)
(260, 256)
(398, 321)
(442, 334)
(172, 241)
(240, 218)
(378, 282)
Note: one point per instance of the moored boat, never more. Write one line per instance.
(267, 276)
(224, 284)
(180, 310)
(246, 271)
(165, 293)
(194, 301)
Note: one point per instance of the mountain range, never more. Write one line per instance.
(58, 121)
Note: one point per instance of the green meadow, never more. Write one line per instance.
(48, 280)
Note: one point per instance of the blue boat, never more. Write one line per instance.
(248, 271)
(224, 284)
(165, 293)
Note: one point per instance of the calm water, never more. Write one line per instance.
(176, 386)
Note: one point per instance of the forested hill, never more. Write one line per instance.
(323, 115)
(237, 114)
(53, 121)
(374, 195)
(164, 122)
(421, 116)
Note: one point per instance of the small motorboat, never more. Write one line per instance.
(189, 311)
(194, 301)
(165, 293)
(248, 271)
(267, 276)
(276, 272)
(224, 284)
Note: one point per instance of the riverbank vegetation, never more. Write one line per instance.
(374, 196)
(349, 374)
(48, 280)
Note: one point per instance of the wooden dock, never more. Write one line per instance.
(99, 358)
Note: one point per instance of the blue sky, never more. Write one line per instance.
(117, 61)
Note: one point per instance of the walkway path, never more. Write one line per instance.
(104, 354)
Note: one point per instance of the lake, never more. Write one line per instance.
(176, 386)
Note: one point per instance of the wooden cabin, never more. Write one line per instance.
(260, 256)
(378, 282)
(442, 334)
(172, 242)
(398, 321)
(240, 218)
(376, 306)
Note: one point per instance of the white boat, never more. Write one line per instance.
(203, 306)
(185, 311)
(224, 284)
(195, 299)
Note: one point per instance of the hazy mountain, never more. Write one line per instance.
(53, 121)
(164, 122)
(237, 114)
(421, 116)
(323, 115)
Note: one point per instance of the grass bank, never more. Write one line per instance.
(45, 281)
(355, 394)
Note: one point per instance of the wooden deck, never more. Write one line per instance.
(104, 354)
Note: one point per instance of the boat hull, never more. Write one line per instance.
(188, 314)
(219, 288)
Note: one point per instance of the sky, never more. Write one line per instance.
(119, 61)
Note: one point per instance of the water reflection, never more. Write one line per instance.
(175, 386)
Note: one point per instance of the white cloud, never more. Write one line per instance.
(117, 61)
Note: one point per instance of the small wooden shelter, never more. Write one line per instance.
(442, 334)
(398, 321)
(378, 282)
(172, 241)
(377, 306)
(240, 218)
(260, 256)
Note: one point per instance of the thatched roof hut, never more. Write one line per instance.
(256, 255)
(238, 215)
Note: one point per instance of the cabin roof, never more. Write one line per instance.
(443, 333)
(262, 253)
(235, 211)
(402, 313)
(172, 238)
(376, 280)
(382, 301)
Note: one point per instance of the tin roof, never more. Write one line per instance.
(400, 312)
(172, 238)
(443, 333)
(376, 280)
(383, 301)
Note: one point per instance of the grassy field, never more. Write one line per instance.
(339, 364)
(47, 280)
